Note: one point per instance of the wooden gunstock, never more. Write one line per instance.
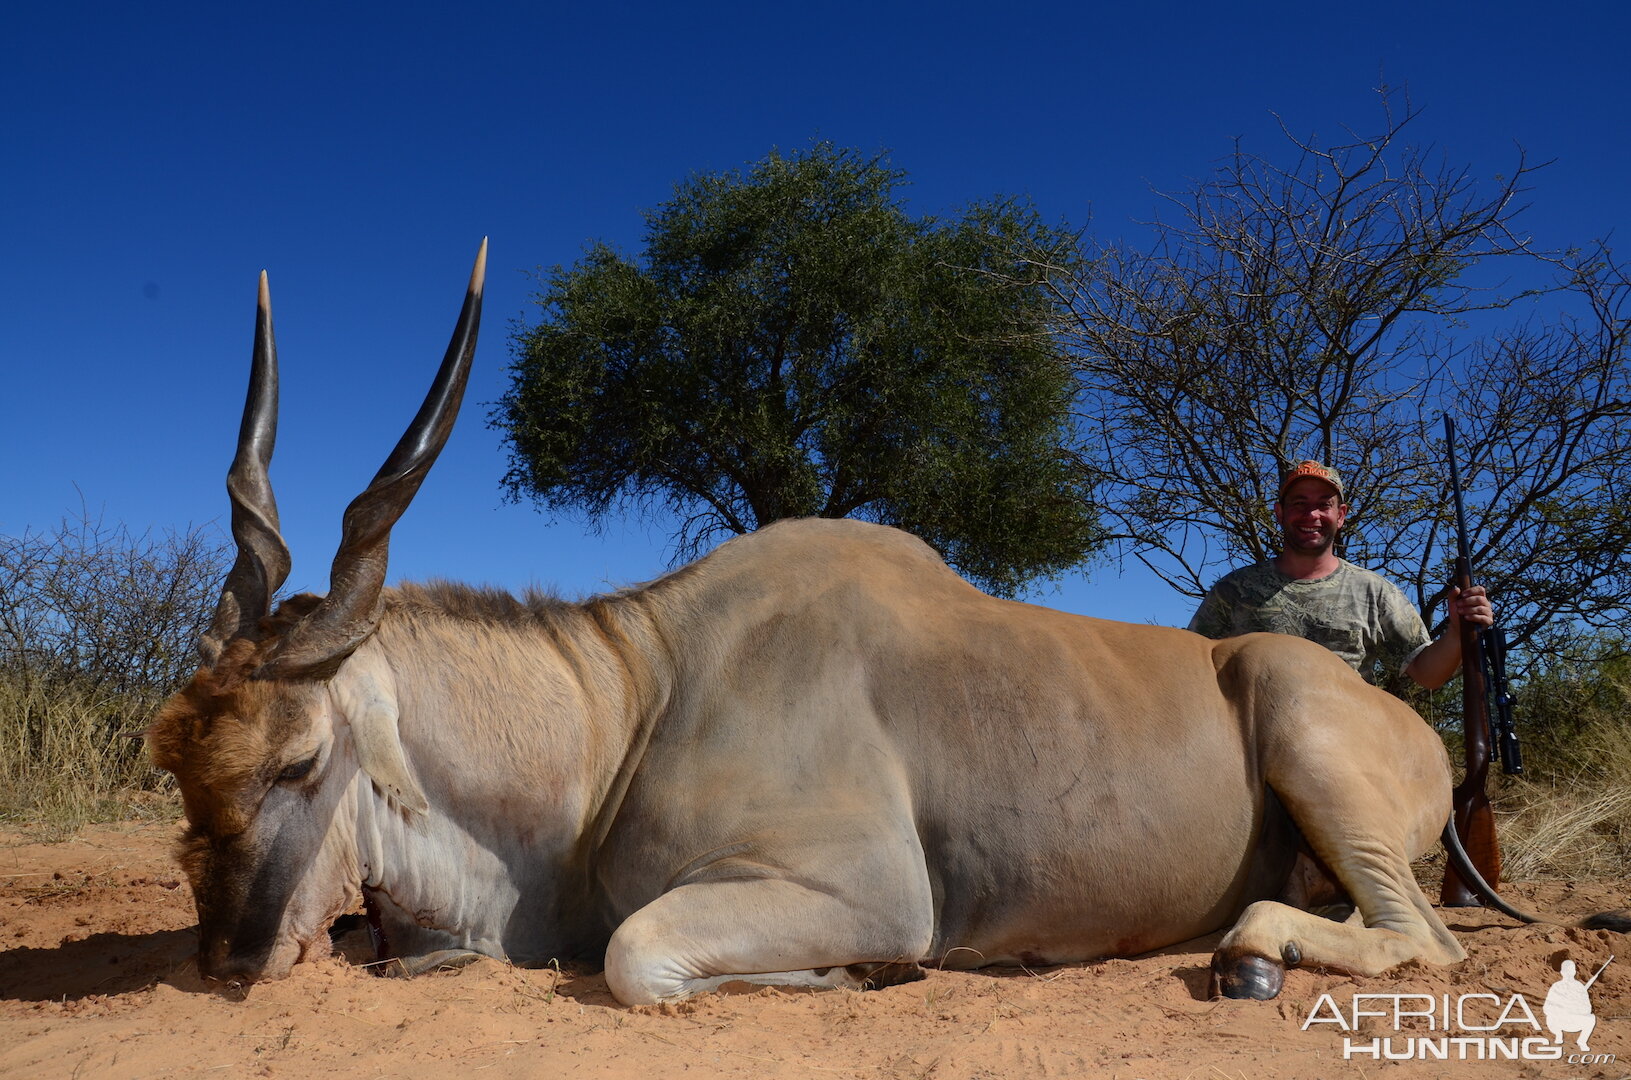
(1475, 824)
(1473, 815)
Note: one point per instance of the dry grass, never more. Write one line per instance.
(72, 754)
(1570, 815)
(1571, 818)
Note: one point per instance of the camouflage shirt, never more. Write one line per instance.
(1359, 615)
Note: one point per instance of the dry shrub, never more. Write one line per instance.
(97, 627)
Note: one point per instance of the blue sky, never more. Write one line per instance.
(158, 157)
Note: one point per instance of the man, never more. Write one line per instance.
(1309, 592)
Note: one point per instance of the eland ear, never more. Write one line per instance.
(365, 692)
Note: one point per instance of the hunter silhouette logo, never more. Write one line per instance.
(1468, 1027)
(1568, 1005)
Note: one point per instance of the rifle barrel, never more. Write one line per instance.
(1463, 553)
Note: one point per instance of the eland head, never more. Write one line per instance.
(266, 740)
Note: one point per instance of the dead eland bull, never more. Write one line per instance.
(815, 757)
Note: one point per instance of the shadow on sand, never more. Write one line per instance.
(101, 964)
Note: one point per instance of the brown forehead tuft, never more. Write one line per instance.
(221, 737)
(225, 689)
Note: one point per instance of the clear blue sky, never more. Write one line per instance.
(158, 157)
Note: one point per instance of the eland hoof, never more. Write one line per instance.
(1247, 977)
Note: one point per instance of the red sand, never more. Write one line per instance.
(97, 980)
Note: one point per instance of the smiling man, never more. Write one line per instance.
(1308, 591)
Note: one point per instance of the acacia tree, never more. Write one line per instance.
(1310, 309)
(793, 344)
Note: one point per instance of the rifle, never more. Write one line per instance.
(1486, 707)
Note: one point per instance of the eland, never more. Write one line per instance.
(815, 757)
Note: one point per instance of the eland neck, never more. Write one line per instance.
(519, 720)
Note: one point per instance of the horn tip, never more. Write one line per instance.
(478, 275)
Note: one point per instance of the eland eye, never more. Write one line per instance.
(298, 770)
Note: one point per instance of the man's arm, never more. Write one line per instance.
(1440, 661)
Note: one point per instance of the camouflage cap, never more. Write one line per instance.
(1317, 471)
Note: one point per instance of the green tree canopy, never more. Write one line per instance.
(793, 344)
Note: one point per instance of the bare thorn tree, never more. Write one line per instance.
(92, 604)
(1311, 310)
(1550, 463)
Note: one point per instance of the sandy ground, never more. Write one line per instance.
(97, 980)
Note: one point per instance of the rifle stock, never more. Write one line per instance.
(1474, 817)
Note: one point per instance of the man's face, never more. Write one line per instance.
(1310, 514)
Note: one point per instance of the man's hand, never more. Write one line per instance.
(1435, 665)
(1472, 605)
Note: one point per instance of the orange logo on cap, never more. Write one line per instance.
(1317, 471)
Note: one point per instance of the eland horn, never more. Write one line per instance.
(346, 617)
(263, 557)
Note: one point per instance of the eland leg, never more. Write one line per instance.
(869, 930)
(1398, 923)
(1368, 784)
(1374, 868)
